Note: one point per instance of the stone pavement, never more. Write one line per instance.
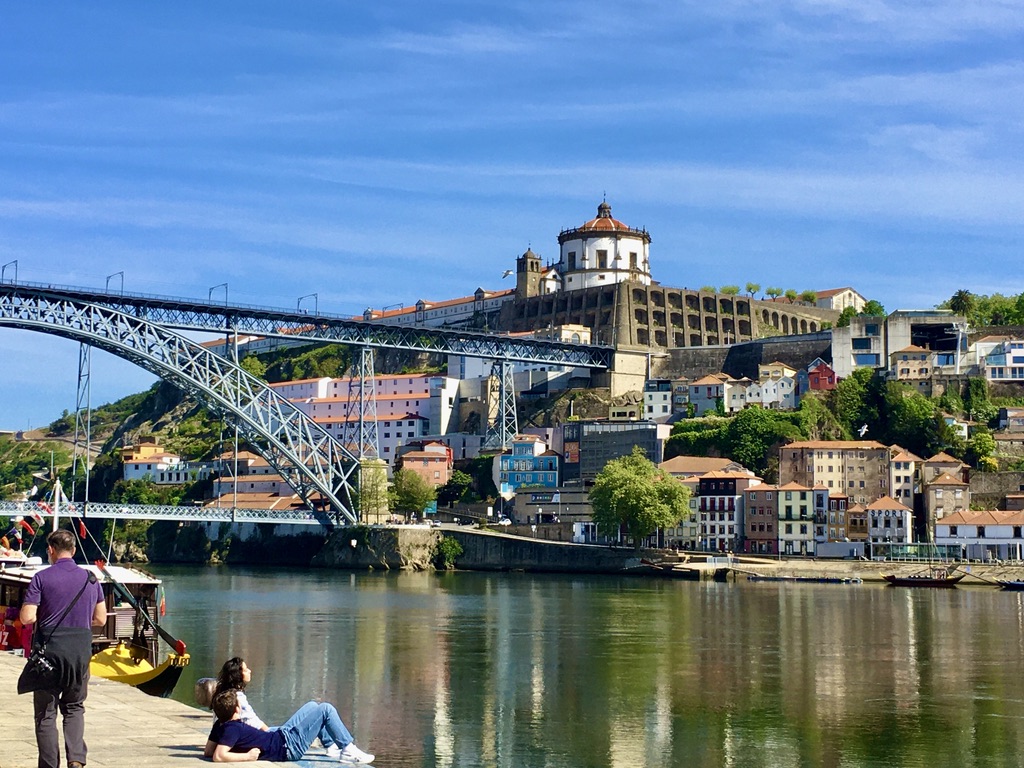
(123, 727)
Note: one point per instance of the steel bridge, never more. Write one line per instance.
(320, 469)
(208, 316)
(93, 510)
(135, 327)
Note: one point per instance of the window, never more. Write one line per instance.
(602, 259)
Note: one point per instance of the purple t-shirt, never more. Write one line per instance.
(53, 588)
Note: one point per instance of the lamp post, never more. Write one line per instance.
(116, 274)
(209, 294)
(3, 270)
(316, 302)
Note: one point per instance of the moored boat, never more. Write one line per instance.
(127, 647)
(1010, 585)
(931, 577)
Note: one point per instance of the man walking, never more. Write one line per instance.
(69, 645)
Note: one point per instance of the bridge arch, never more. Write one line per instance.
(304, 453)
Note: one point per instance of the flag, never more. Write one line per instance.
(163, 603)
(26, 526)
(82, 533)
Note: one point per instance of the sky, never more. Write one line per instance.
(380, 153)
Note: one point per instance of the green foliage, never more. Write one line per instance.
(792, 295)
(809, 297)
(18, 460)
(962, 303)
(709, 289)
(980, 446)
(697, 437)
(255, 366)
(755, 434)
(848, 401)
(873, 309)
(483, 478)
(753, 288)
(447, 551)
(951, 402)
(730, 290)
(773, 292)
(632, 493)
(455, 489)
(197, 436)
(845, 316)
(410, 493)
(311, 363)
(146, 492)
(817, 421)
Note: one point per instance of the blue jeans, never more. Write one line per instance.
(311, 721)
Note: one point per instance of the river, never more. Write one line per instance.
(516, 670)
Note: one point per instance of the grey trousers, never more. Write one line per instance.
(71, 702)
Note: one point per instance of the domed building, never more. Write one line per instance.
(603, 251)
(602, 281)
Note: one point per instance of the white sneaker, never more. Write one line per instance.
(334, 752)
(353, 754)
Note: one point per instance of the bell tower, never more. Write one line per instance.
(527, 275)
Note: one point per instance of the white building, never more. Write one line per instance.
(984, 535)
(889, 522)
(603, 251)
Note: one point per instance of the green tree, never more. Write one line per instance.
(980, 446)
(410, 493)
(773, 292)
(455, 488)
(792, 295)
(632, 493)
(845, 317)
(753, 288)
(730, 290)
(817, 421)
(873, 309)
(754, 435)
(849, 401)
(253, 365)
(709, 289)
(962, 303)
(809, 297)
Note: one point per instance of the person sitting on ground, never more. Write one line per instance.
(232, 741)
(235, 675)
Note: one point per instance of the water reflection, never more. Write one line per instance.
(458, 670)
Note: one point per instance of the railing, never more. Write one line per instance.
(156, 512)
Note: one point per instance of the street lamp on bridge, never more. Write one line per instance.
(209, 295)
(116, 274)
(316, 302)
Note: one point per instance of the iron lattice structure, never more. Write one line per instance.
(83, 419)
(360, 432)
(160, 512)
(502, 421)
(192, 314)
(309, 459)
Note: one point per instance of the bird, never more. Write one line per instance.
(863, 430)
(506, 273)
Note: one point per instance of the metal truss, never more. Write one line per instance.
(360, 426)
(502, 420)
(158, 512)
(309, 459)
(83, 419)
(192, 314)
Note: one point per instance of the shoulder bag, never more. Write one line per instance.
(41, 672)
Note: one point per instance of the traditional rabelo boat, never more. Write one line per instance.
(930, 577)
(127, 647)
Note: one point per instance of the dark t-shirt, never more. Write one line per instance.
(53, 588)
(241, 737)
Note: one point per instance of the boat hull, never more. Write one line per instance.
(939, 582)
(121, 665)
(1010, 585)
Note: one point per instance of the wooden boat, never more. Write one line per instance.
(127, 648)
(1010, 585)
(932, 577)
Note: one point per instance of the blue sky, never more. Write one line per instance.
(378, 153)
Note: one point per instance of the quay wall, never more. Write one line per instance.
(413, 547)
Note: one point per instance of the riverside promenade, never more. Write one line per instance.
(123, 727)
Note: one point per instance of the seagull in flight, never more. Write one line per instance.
(863, 430)
(506, 273)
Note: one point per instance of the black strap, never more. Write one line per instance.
(90, 578)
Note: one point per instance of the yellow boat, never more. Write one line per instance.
(127, 647)
(129, 664)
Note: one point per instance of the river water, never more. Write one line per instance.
(517, 670)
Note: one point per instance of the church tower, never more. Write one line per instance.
(528, 275)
